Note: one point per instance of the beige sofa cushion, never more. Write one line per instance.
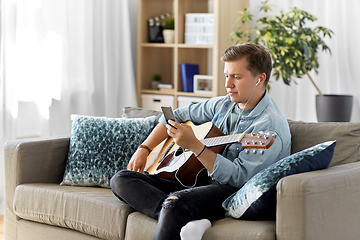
(92, 210)
(142, 227)
(347, 135)
(29, 230)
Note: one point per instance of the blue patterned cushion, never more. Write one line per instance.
(256, 200)
(99, 147)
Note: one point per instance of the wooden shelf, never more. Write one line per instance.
(183, 45)
(189, 94)
(158, 45)
(149, 91)
(173, 45)
(165, 59)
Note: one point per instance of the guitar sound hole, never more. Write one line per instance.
(179, 152)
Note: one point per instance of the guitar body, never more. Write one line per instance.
(171, 162)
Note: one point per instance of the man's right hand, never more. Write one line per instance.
(138, 160)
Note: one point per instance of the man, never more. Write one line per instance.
(246, 108)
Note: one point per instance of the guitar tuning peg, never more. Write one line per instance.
(254, 151)
(274, 135)
(247, 151)
(262, 152)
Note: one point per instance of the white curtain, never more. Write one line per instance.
(61, 57)
(337, 72)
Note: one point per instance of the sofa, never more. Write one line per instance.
(315, 205)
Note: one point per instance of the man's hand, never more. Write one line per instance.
(184, 136)
(138, 160)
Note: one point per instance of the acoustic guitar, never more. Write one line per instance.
(169, 161)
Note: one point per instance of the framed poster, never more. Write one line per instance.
(203, 84)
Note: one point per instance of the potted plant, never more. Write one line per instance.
(168, 25)
(294, 48)
(156, 81)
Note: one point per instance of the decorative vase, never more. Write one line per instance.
(168, 35)
(334, 108)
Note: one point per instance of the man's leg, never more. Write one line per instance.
(143, 192)
(181, 207)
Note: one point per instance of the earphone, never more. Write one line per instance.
(238, 120)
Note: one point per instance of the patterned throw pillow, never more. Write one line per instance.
(256, 200)
(99, 147)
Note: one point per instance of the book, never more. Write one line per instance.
(164, 85)
(187, 76)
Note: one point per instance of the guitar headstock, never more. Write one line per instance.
(257, 140)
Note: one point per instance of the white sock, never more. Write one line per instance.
(195, 230)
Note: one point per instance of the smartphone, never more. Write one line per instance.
(168, 114)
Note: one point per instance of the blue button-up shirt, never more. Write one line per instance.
(235, 166)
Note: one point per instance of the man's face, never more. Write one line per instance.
(240, 82)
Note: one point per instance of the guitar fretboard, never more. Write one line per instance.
(222, 140)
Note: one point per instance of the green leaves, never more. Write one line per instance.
(265, 6)
(245, 16)
(292, 44)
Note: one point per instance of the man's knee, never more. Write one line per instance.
(170, 201)
(119, 178)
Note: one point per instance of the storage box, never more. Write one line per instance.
(186, 101)
(191, 38)
(199, 28)
(199, 18)
(154, 101)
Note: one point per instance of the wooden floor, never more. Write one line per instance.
(1, 227)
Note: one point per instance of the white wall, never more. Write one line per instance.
(31, 124)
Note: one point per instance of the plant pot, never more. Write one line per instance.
(155, 85)
(168, 35)
(334, 108)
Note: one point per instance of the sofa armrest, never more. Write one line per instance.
(36, 160)
(31, 161)
(320, 205)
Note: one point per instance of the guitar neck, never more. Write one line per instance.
(222, 140)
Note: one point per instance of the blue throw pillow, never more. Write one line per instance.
(99, 147)
(256, 200)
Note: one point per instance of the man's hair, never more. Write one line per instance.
(259, 60)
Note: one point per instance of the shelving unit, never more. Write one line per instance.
(166, 58)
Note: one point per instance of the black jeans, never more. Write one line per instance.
(168, 201)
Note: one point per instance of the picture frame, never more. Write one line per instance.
(203, 84)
